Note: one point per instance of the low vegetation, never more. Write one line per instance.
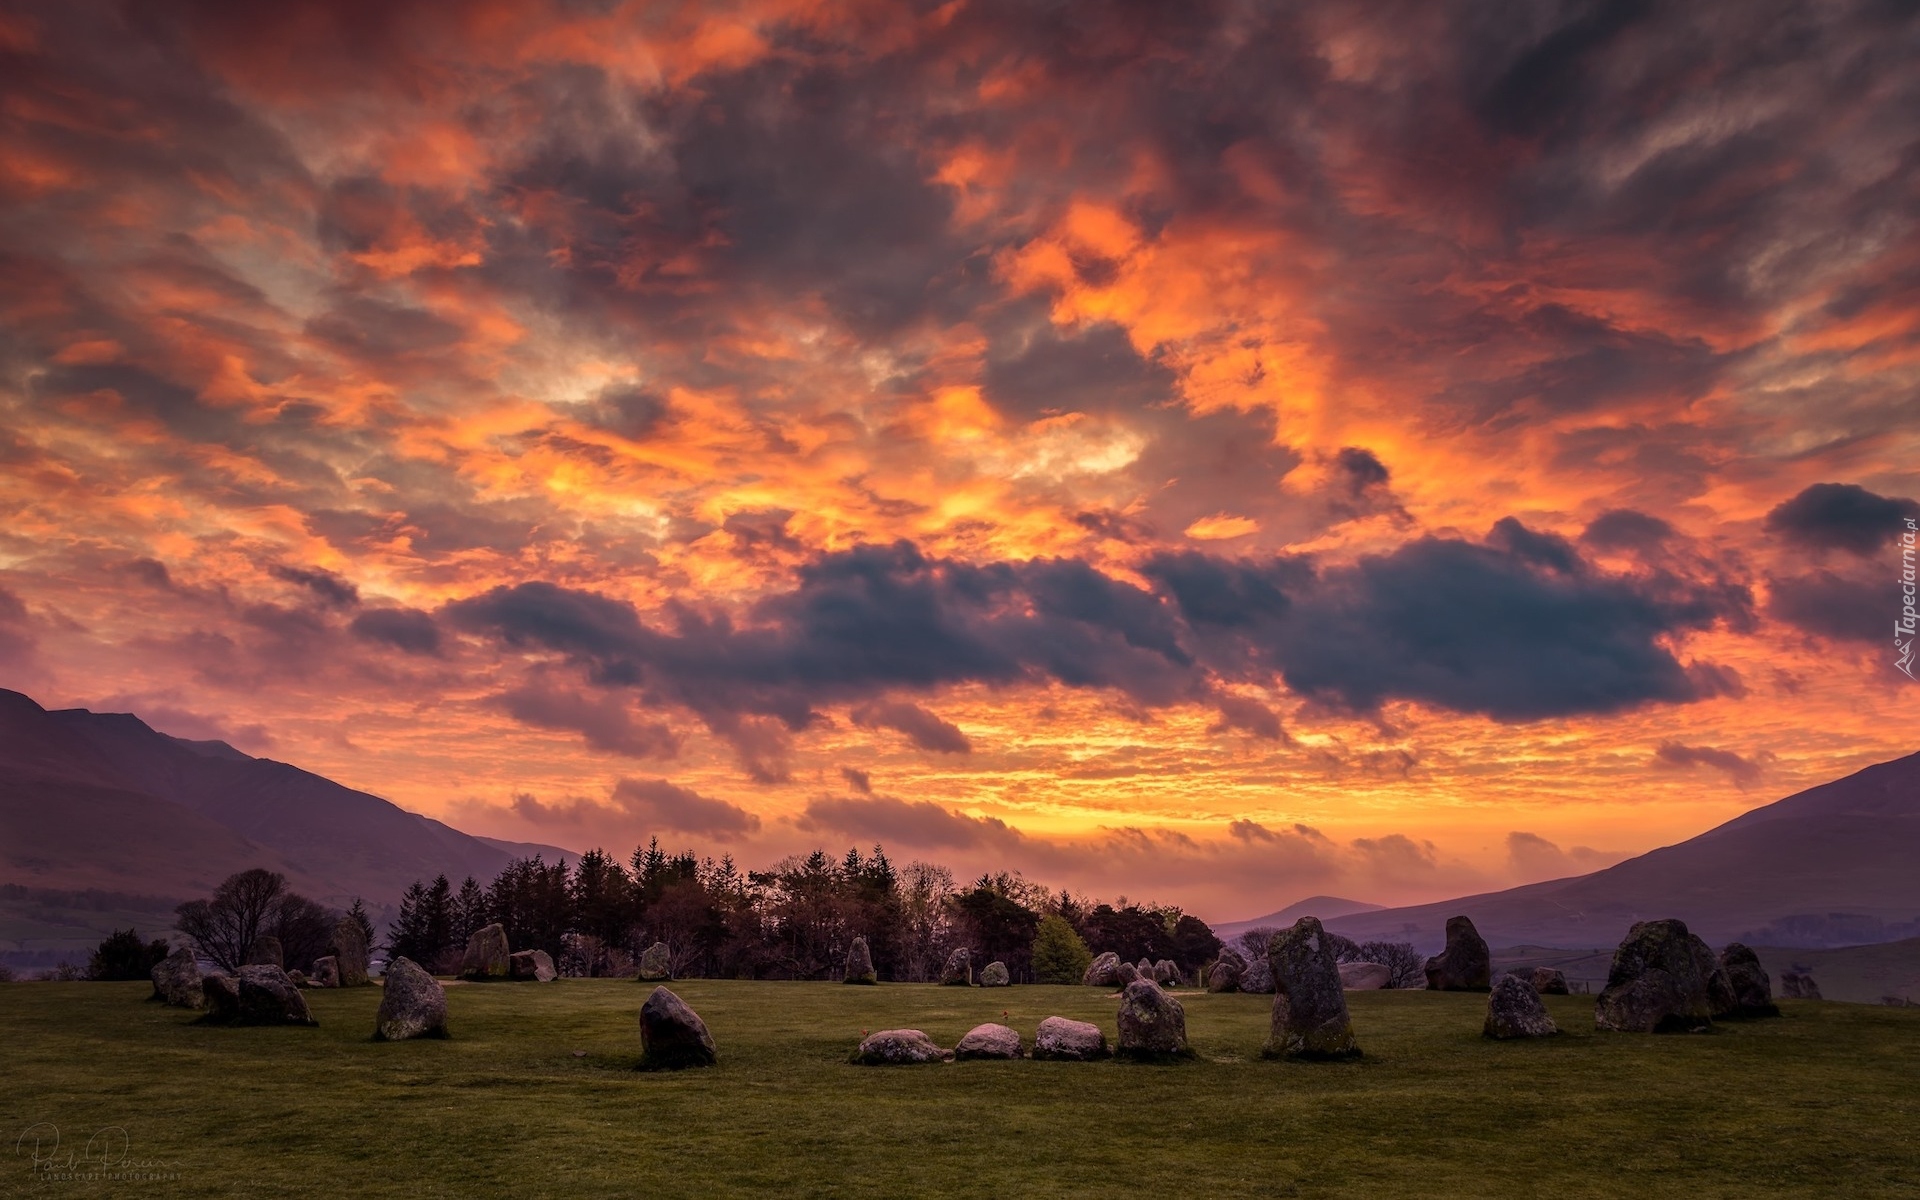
(536, 1094)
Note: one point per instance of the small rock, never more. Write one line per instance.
(672, 1036)
(1127, 973)
(1152, 1023)
(1514, 1010)
(1104, 971)
(1364, 976)
(176, 981)
(1466, 965)
(959, 969)
(266, 952)
(656, 963)
(326, 972)
(487, 955)
(897, 1047)
(1166, 973)
(1226, 972)
(413, 1004)
(1309, 1007)
(1752, 989)
(348, 948)
(1549, 981)
(1071, 1041)
(532, 965)
(1798, 985)
(860, 963)
(299, 979)
(257, 994)
(988, 1041)
(994, 974)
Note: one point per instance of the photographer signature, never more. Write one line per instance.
(104, 1155)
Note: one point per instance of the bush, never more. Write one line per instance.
(124, 956)
(64, 973)
(1059, 954)
(6, 974)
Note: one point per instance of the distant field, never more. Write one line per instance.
(1820, 1102)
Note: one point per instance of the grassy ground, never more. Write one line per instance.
(1821, 1102)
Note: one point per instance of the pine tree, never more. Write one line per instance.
(407, 935)
(469, 911)
(1059, 955)
(357, 913)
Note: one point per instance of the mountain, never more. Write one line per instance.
(1833, 865)
(1324, 907)
(99, 805)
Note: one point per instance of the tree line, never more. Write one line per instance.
(794, 920)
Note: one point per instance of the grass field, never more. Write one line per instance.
(1822, 1102)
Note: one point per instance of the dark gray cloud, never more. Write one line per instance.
(659, 804)
(860, 781)
(922, 728)
(329, 588)
(1838, 607)
(406, 629)
(1841, 516)
(1626, 529)
(911, 822)
(1743, 771)
(605, 720)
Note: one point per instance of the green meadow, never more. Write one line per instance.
(536, 1094)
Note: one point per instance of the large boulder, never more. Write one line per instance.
(1364, 976)
(1798, 985)
(1068, 1040)
(1104, 971)
(348, 947)
(959, 969)
(672, 1035)
(1309, 1007)
(487, 956)
(1225, 975)
(266, 952)
(533, 965)
(176, 980)
(988, 1041)
(257, 994)
(1166, 973)
(1153, 1026)
(860, 963)
(897, 1047)
(1660, 982)
(994, 974)
(1748, 980)
(656, 963)
(1466, 965)
(326, 972)
(412, 1004)
(1514, 1010)
(1549, 981)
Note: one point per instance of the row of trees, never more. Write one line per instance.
(795, 920)
(255, 904)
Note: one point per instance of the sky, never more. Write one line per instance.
(1214, 453)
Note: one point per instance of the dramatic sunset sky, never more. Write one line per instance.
(1212, 452)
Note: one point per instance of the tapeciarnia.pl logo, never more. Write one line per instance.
(1903, 627)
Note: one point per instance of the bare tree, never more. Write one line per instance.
(242, 908)
(1407, 966)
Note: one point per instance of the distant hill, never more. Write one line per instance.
(103, 803)
(1324, 907)
(1833, 865)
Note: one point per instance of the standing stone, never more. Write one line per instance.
(1752, 989)
(266, 952)
(672, 1035)
(860, 963)
(1126, 972)
(486, 957)
(1466, 965)
(257, 994)
(412, 1004)
(1103, 972)
(326, 972)
(1309, 1008)
(656, 963)
(959, 969)
(532, 965)
(1226, 972)
(994, 974)
(1069, 1041)
(1152, 1023)
(298, 979)
(1144, 968)
(1514, 1010)
(1549, 981)
(176, 980)
(1364, 976)
(1166, 973)
(348, 947)
(988, 1041)
(1798, 985)
(1658, 982)
(897, 1047)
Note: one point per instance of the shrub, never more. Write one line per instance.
(1059, 954)
(124, 956)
